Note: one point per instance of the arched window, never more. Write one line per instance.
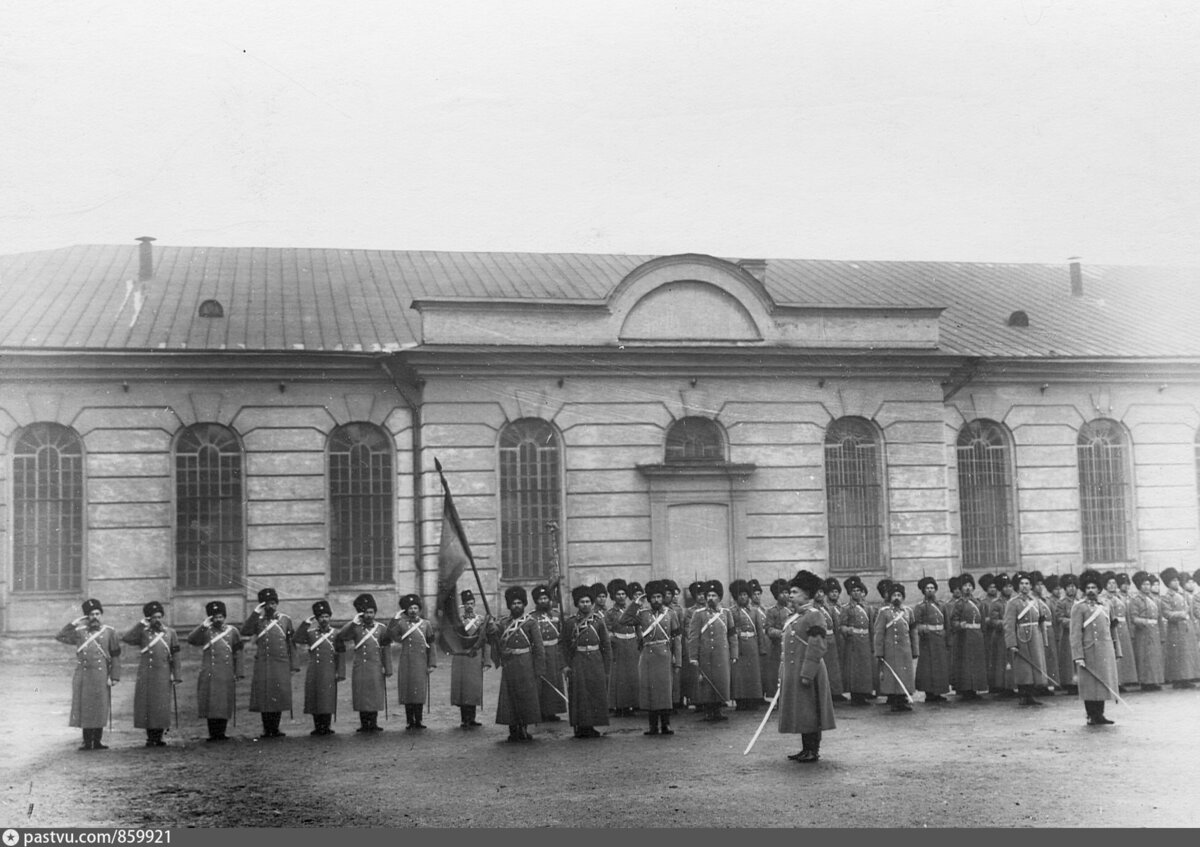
(530, 497)
(361, 505)
(1104, 496)
(47, 509)
(209, 508)
(694, 441)
(985, 496)
(854, 495)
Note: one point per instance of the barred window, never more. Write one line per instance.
(530, 497)
(694, 440)
(361, 505)
(854, 495)
(209, 508)
(47, 509)
(985, 496)
(1104, 497)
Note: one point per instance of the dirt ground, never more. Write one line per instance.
(990, 764)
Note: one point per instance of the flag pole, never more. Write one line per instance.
(462, 536)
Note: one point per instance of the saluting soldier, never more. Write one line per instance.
(1180, 647)
(713, 649)
(587, 656)
(517, 650)
(622, 675)
(369, 640)
(745, 684)
(773, 627)
(275, 661)
(1094, 648)
(550, 682)
(220, 669)
(660, 653)
(897, 646)
(1146, 618)
(1023, 617)
(805, 702)
(156, 675)
(468, 663)
(966, 625)
(414, 636)
(858, 658)
(326, 666)
(933, 668)
(97, 669)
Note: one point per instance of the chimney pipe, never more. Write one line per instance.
(145, 259)
(1076, 277)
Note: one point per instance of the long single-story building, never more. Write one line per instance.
(189, 423)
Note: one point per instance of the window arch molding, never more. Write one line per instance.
(531, 471)
(361, 489)
(210, 507)
(48, 507)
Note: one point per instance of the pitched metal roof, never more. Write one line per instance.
(89, 297)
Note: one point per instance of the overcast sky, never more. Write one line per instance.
(977, 131)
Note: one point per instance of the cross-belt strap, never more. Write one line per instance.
(654, 623)
(895, 617)
(470, 624)
(514, 627)
(370, 634)
(552, 626)
(157, 639)
(220, 636)
(417, 627)
(788, 622)
(1028, 606)
(325, 637)
(91, 638)
(273, 622)
(711, 618)
(1094, 615)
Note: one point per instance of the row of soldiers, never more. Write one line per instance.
(709, 654)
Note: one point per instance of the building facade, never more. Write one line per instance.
(188, 424)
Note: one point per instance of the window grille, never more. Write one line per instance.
(985, 496)
(362, 502)
(854, 496)
(209, 508)
(530, 497)
(694, 440)
(1104, 498)
(47, 509)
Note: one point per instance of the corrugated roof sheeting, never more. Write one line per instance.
(329, 299)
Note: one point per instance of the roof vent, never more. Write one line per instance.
(1076, 277)
(145, 258)
(1018, 318)
(211, 309)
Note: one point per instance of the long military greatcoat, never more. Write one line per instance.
(1144, 614)
(966, 626)
(551, 701)
(933, 668)
(152, 698)
(858, 658)
(1118, 607)
(1062, 631)
(1094, 640)
(372, 663)
(746, 674)
(1000, 674)
(220, 667)
(677, 671)
(833, 661)
(466, 666)
(414, 658)
(274, 661)
(1023, 630)
(896, 643)
(713, 642)
(660, 652)
(1180, 647)
(518, 651)
(326, 665)
(805, 708)
(776, 615)
(585, 649)
(96, 662)
(623, 676)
